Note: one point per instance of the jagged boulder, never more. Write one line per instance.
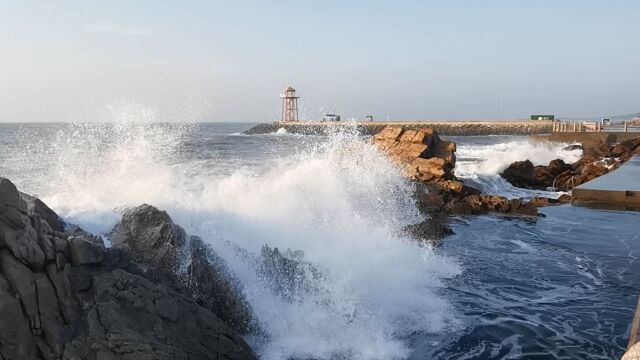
(35, 206)
(63, 295)
(598, 158)
(523, 174)
(421, 152)
(154, 240)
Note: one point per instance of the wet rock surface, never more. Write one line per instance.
(63, 295)
(157, 243)
(431, 161)
(598, 158)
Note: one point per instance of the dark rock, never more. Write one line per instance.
(83, 252)
(53, 333)
(23, 283)
(481, 204)
(77, 232)
(16, 341)
(626, 149)
(35, 206)
(17, 234)
(524, 174)
(150, 236)
(53, 305)
(153, 239)
(572, 147)
(119, 324)
(430, 231)
(212, 284)
(10, 196)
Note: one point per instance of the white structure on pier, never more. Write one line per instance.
(289, 105)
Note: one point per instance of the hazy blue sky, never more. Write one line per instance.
(227, 61)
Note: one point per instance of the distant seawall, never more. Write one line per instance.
(447, 128)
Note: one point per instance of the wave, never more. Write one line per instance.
(481, 164)
(339, 201)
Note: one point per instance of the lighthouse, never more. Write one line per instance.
(289, 105)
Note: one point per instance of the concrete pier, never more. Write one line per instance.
(619, 189)
(443, 127)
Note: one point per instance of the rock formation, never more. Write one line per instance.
(154, 241)
(598, 159)
(431, 161)
(63, 295)
(421, 152)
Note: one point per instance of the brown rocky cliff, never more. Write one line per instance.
(421, 153)
(431, 161)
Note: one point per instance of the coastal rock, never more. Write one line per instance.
(154, 240)
(133, 318)
(430, 160)
(214, 286)
(97, 304)
(83, 252)
(151, 237)
(481, 204)
(35, 206)
(10, 196)
(421, 152)
(431, 230)
(598, 159)
(523, 174)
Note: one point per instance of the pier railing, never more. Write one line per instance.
(585, 126)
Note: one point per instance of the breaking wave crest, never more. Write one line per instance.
(337, 200)
(481, 164)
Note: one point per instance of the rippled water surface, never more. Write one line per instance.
(564, 286)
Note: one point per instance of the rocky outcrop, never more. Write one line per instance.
(155, 241)
(63, 295)
(523, 174)
(598, 159)
(420, 152)
(431, 161)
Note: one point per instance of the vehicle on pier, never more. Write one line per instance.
(330, 117)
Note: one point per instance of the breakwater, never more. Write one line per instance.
(448, 128)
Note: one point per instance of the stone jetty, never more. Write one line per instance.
(442, 127)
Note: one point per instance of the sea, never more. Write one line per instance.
(563, 286)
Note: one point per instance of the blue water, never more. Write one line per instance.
(562, 287)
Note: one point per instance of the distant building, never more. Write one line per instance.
(289, 105)
(543, 117)
(330, 117)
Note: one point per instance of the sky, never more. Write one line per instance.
(402, 60)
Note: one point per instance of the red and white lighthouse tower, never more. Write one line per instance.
(289, 105)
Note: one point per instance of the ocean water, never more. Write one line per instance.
(564, 286)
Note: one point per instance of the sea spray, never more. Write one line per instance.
(336, 199)
(481, 164)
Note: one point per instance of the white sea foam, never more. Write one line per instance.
(483, 163)
(340, 202)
